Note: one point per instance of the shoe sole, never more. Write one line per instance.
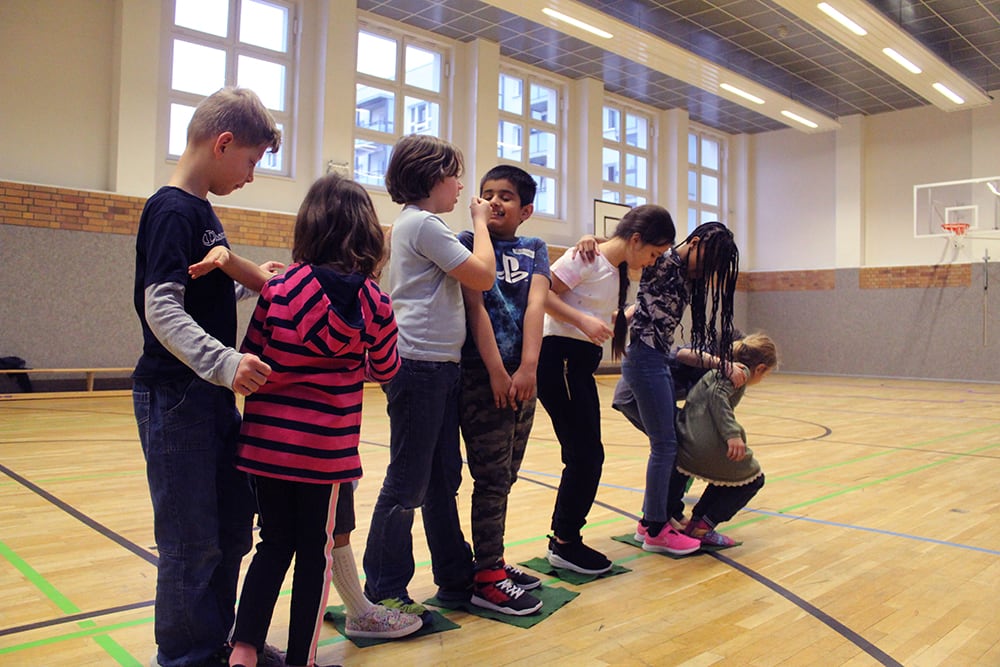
(391, 634)
(528, 587)
(486, 604)
(557, 561)
(667, 550)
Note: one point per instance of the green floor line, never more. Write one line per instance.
(38, 581)
(97, 631)
(879, 454)
(64, 604)
(865, 485)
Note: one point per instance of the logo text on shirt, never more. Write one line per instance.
(212, 237)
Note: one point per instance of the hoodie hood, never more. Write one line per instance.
(325, 307)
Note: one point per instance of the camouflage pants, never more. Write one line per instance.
(495, 440)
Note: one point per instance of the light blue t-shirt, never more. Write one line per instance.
(426, 301)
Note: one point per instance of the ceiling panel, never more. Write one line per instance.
(753, 38)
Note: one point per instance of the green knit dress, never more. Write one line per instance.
(704, 425)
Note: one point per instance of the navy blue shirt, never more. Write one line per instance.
(176, 230)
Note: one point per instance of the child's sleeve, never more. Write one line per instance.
(720, 406)
(382, 356)
(168, 258)
(435, 241)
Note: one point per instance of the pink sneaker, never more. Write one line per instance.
(640, 532)
(671, 542)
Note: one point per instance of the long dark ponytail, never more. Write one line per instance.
(712, 330)
(655, 227)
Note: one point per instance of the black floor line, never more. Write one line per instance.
(82, 616)
(823, 617)
(83, 518)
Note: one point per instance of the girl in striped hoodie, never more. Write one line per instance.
(324, 327)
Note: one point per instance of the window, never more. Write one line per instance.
(247, 43)
(529, 134)
(706, 177)
(391, 69)
(626, 155)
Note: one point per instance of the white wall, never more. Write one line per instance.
(792, 222)
(55, 88)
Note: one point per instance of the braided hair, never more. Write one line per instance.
(655, 227)
(719, 260)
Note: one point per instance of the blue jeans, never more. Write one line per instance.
(651, 408)
(425, 471)
(202, 513)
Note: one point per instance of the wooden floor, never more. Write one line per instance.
(875, 541)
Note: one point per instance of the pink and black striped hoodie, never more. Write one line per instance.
(323, 333)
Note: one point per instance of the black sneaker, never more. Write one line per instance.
(494, 591)
(578, 557)
(454, 595)
(521, 578)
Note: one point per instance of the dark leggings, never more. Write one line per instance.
(567, 390)
(717, 503)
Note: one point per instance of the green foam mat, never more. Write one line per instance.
(630, 540)
(438, 623)
(553, 598)
(569, 576)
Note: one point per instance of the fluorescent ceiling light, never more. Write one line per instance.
(906, 64)
(576, 22)
(883, 34)
(742, 93)
(944, 90)
(799, 119)
(841, 19)
(660, 55)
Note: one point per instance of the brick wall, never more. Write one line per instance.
(30, 205)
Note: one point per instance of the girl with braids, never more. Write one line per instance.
(700, 272)
(579, 310)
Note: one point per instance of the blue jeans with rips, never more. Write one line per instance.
(646, 371)
(425, 471)
(203, 511)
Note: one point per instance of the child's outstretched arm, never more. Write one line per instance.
(737, 373)
(478, 271)
(238, 268)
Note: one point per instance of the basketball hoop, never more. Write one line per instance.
(957, 231)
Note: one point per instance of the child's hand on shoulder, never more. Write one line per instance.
(251, 374)
(738, 374)
(216, 258)
(587, 248)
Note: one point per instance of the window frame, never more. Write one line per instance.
(557, 174)
(621, 188)
(698, 210)
(401, 91)
(234, 48)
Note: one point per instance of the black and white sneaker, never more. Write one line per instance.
(521, 578)
(494, 591)
(578, 557)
